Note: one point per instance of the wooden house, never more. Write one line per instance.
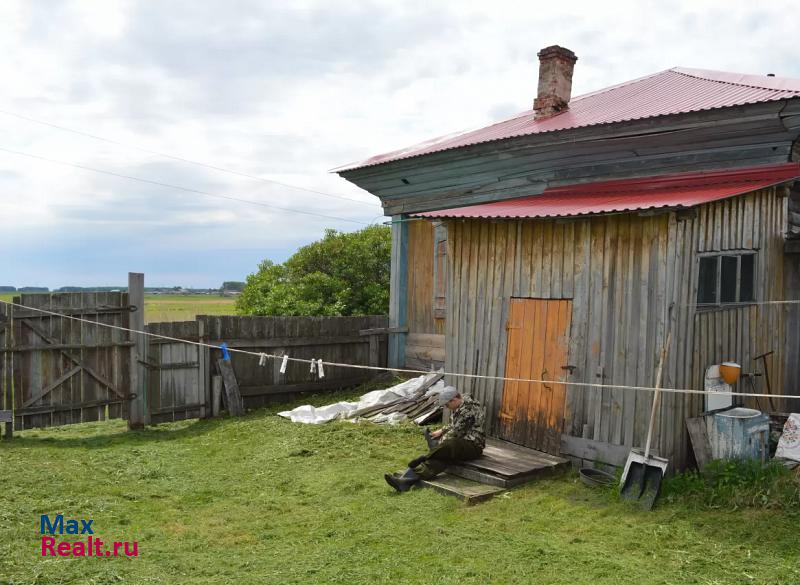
(564, 243)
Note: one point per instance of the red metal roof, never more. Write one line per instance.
(680, 190)
(674, 91)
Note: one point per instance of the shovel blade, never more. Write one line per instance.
(641, 480)
(642, 484)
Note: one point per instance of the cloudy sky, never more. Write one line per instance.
(284, 91)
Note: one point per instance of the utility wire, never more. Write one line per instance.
(182, 159)
(178, 187)
(401, 370)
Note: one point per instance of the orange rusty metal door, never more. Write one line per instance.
(532, 413)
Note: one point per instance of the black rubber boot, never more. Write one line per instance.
(403, 482)
(428, 439)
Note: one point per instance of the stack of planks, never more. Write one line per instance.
(419, 408)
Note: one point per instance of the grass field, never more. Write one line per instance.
(263, 500)
(159, 308)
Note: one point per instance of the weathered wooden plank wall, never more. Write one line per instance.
(421, 257)
(756, 221)
(424, 346)
(622, 272)
(66, 371)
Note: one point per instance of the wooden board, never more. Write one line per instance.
(594, 450)
(698, 434)
(470, 492)
(234, 398)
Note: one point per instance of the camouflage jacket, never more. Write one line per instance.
(466, 422)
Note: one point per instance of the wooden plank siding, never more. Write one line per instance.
(421, 257)
(424, 346)
(622, 273)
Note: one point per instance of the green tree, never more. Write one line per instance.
(341, 274)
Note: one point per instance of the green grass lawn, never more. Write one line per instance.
(262, 500)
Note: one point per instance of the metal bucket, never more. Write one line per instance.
(739, 433)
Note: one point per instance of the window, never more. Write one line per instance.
(726, 278)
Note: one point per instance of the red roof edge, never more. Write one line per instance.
(620, 195)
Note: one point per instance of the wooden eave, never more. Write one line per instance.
(752, 134)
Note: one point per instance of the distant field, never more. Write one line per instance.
(159, 308)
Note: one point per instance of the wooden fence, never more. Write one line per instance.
(181, 375)
(56, 371)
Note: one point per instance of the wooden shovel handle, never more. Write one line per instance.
(657, 395)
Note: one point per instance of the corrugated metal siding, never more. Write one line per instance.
(621, 272)
(674, 91)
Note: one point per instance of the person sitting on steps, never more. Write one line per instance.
(461, 440)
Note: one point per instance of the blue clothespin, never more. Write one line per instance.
(225, 354)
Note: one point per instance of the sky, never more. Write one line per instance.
(284, 92)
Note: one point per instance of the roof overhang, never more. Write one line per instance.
(664, 191)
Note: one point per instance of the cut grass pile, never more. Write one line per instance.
(262, 500)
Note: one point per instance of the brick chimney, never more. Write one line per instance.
(555, 81)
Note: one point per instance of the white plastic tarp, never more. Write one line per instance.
(315, 415)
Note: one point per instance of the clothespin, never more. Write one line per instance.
(284, 364)
(320, 369)
(225, 353)
(313, 366)
(262, 360)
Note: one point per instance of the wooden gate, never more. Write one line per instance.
(177, 373)
(65, 371)
(532, 414)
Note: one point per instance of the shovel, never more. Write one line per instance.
(643, 473)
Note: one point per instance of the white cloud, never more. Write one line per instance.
(286, 91)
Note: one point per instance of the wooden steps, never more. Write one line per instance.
(506, 465)
(470, 492)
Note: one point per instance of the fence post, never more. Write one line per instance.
(138, 415)
(6, 378)
(204, 372)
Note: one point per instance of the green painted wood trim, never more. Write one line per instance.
(398, 306)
